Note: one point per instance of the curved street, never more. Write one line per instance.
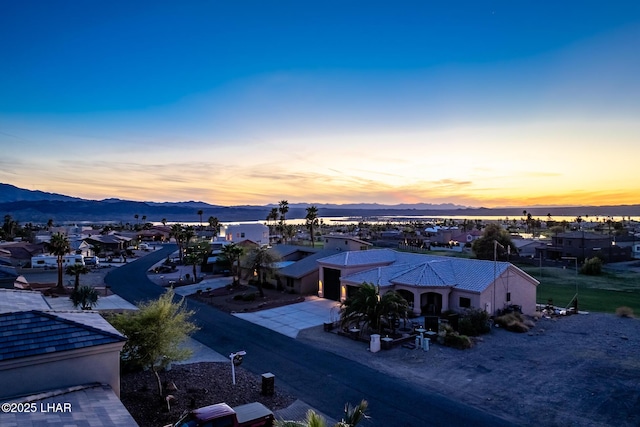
(322, 379)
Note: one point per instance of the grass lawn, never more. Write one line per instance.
(602, 293)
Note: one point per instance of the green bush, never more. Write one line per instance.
(592, 267)
(474, 322)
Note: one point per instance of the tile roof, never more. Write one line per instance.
(92, 405)
(32, 333)
(304, 266)
(404, 268)
(12, 300)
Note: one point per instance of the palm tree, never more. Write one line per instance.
(283, 208)
(312, 222)
(200, 215)
(164, 221)
(59, 246)
(261, 261)
(214, 224)
(49, 224)
(351, 418)
(177, 231)
(76, 270)
(86, 297)
(136, 216)
(366, 308)
(232, 253)
(193, 258)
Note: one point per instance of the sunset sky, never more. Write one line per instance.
(478, 103)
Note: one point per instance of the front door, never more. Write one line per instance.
(431, 304)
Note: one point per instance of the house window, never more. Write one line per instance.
(242, 235)
(508, 296)
(465, 302)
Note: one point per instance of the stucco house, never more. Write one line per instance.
(345, 243)
(42, 350)
(258, 233)
(431, 284)
(53, 357)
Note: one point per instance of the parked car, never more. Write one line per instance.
(250, 415)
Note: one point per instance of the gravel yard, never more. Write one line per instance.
(581, 370)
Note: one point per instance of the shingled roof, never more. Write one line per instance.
(33, 333)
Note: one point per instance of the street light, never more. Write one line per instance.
(495, 270)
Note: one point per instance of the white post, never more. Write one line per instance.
(232, 356)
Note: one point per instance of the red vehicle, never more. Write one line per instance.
(222, 415)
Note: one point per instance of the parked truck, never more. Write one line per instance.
(222, 415)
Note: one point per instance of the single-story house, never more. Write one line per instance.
(431, 284)
(19, 254)
(42, 350)
(345, 243)
(301, 276)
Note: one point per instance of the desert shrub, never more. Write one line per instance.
(592, 267)
(461, 342)
(474, 322)
(624, 311)
(249, 297)
(514, 322)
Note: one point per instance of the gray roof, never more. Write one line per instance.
(92, 405)
(305, 266)
(402, 268)
(32, 333)
(284, 250)
(12, 300)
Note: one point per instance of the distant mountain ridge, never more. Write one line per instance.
(38, 207)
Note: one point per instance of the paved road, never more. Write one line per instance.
(324, 380)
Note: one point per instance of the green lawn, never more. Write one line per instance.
(602, 293)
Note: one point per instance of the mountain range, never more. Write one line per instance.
(39, 206)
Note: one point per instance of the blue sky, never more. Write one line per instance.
(480, 103)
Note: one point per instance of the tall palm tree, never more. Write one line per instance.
(136, 216)
(312, 222)
(200, 212)
(283, 209)
(59, 246)
(177, 232)
(164, 221)
(76, 270)
(214, 224)
(49, 224)
(261, 261)
(232, 253)
(193, 258)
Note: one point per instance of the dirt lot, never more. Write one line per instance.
(581, 370)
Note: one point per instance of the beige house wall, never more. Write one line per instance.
(34, 374)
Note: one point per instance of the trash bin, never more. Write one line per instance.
(268, 384)
(374, 345)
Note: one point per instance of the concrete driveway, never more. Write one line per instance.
(291, 319)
